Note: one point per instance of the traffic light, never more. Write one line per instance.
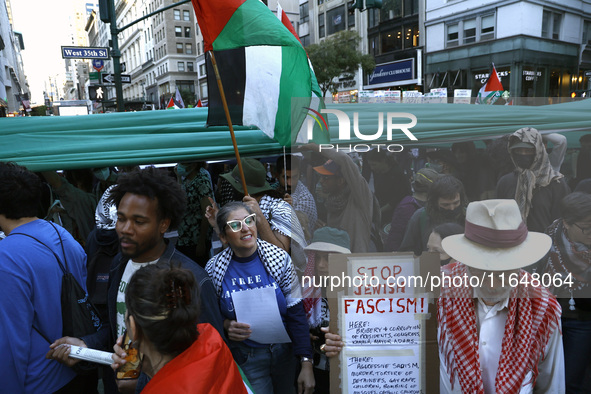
(373, 4)
(104, 11)
(97, 93)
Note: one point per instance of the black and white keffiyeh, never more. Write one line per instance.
(105, 215)
(282, 217)
(276, 262)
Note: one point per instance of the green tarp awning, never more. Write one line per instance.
(50, 143)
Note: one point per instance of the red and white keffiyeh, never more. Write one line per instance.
(533, 316)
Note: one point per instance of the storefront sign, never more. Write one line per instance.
(529, 75)
(484, 76)
(393, 72)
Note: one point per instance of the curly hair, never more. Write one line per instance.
(165, 305)
(156, 184)
(20, 191)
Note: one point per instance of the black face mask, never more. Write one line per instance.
(523, 161)
(445, 262)
(451, 214)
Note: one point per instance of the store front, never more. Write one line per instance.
(549, 71)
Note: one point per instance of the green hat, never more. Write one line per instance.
(329, 239)
(255, 176)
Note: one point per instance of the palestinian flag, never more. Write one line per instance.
(172, 104)
(263, 66)
(491, 90)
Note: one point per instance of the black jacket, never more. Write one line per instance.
(105, 338)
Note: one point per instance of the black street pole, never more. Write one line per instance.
(116, 54)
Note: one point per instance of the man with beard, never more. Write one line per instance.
(498, 329)
(446, 202)
(534, 184)
(149, 202)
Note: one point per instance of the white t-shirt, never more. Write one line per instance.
(130, 269)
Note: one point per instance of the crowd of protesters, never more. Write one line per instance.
(162, 253)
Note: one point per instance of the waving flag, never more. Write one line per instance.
(491, 90)
(263, 66)
(179, 99)
(171, 104)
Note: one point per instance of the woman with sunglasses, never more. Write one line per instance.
(251, 263)
(179, 355)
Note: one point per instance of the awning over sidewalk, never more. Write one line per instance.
(67, 142)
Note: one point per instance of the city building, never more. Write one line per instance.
(539, 48)
(14, 88)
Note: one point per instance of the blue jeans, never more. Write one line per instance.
(576, 338)
(269, 369)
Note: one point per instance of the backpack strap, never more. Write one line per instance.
(62, 267)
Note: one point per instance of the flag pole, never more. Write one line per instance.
(285, 169)
(229, 120)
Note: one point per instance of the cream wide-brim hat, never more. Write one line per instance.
(496, 215)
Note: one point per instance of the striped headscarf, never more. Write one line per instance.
(540, 174)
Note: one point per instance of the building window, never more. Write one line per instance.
(411, 36)
(186, 85)
(305, 40)
(373, 16)
(202, 70)
(351, 20)
(178, 31)
(452, 35)
(321, 25)
(177, 15)
(336, 20)
(186, 15)
(469, 31)
(190, 66)
(391, 9)
(411, 7)
(551, 23)
(587, 32)
(181, 66)
(203, 89)
(187, 32)
(304, 12)
(487, 27)
(374, 46)
(179, 48)
(391, 40)
(188, 49)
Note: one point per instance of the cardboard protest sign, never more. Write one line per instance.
(388, 322)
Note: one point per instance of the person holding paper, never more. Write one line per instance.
(249, 268)
(326, 240)
(162, 314)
